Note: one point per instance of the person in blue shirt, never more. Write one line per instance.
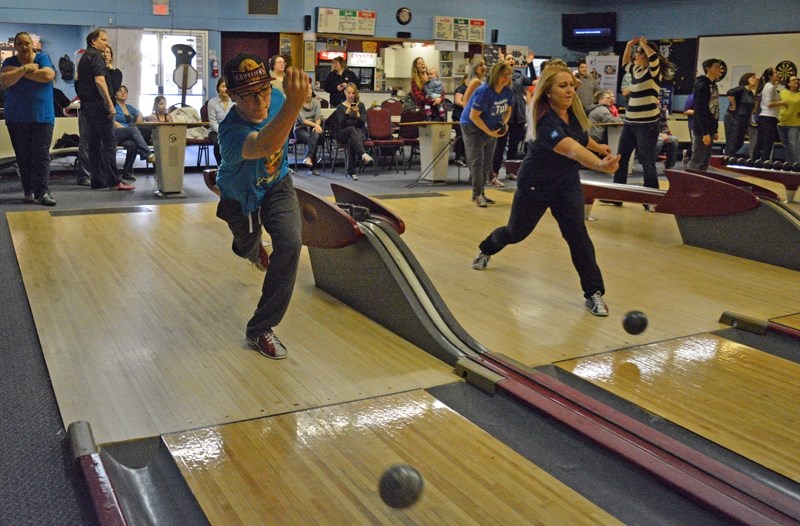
(27, 78)
(255, 187)
(549, 178)
(484, 119)
(128, 135)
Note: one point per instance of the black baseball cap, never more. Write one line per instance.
(246, 73)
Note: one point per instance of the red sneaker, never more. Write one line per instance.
(122, 187)
(261, 261)
(269, 345)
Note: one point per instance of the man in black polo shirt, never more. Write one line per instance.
(97, 113)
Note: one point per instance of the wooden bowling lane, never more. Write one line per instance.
(141, 318)
(736, 396)
(528, 304)
(322, 466)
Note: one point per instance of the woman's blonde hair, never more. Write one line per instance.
(476, 62)
(415, 76)
(501, 68)
(541, 103)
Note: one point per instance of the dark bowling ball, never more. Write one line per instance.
(777, 165)
(634, 322)
(796, 167)
(742, 161)
(758, 163)
(767, 165)
(787, 167)
(725, 160)
(750, 162)
(400, 486)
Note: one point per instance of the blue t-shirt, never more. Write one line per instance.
(126, 120)
(28, 100)
(492, 105)
(247, 180)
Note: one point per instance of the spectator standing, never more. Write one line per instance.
(587, 85)
(458, 109)
(98, 111)
(741, 101)
(706, 114)
(485, 118)
(218, 109)
(768, 116)
(27, 79)
(337, 80)
(640, 128)
(789, 119)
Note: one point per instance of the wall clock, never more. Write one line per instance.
(403, 15)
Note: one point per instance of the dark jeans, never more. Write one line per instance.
(31, 142)
(642, 138)
(304, 135)
(102, 145)
(131, 138)
(458, 147)
(735, 132)
(353, 139)
(568, 211)
(765, 140)
(480, 149)
(280, 216)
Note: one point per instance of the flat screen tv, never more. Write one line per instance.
(588, 31)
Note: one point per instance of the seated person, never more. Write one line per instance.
(666, 143)
(434, 89)
(308, 129)
(160, 113)
(349, 126)
(129, 136)
(602, 111)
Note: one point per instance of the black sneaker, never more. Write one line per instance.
(269, 345)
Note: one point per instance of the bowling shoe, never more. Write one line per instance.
(596, 305)
(269, 345)
(481, 261)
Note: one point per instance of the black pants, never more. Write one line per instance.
(31, 142)
(567, 209)
(515, 135)
(735, 131)
(641, 137)
(765, 140)
(280, 217)
(353, 139)
(102, 145)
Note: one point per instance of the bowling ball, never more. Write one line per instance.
(796, 167)
(758, 163)
(767, 165)
(787, 167)
(725, 159)
(750, 162)
(502, 127)
(741, 161)
(400, 486)
(634, 322)
(777, 165)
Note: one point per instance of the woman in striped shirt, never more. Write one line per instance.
(640, 131)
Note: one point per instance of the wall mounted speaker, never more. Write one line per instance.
(307, 23)
(403, 34)
(495, 34)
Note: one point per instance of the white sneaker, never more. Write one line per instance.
(481, 201)
(308, 162)
(481, 261)
(596, 305)
(366, 159)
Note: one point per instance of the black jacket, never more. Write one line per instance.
(333, 80)
(706, 106)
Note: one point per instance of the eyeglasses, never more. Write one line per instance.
(254, 96)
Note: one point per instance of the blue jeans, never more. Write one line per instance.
(131, 138)
(305, 135)
(31, 142)
(642, 138)
(280, 216)
(479, 148)
(568, 211)
(790, 137)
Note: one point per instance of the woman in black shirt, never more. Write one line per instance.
(741, 101)
(549, 178)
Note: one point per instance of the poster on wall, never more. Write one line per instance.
(605, 69)
(491, 55)
(461, 29)
(519, 53)
(351, 21)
